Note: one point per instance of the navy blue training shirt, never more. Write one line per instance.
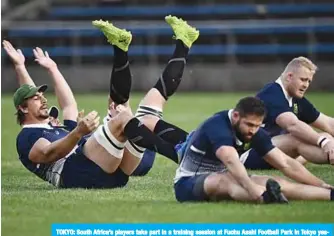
(200, 154)
(277, 102)
(28, 137)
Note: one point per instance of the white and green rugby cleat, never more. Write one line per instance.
(184, 32)
(115, 36)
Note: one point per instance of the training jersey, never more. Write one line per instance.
(277, 101)
(28, 137)
(200, 157)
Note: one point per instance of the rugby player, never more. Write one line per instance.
(89, 155)
(212, 162)
(291, 118)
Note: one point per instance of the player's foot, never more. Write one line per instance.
(274, 191)
(115, 36)
(184, 32)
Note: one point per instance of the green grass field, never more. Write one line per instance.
(30, 206)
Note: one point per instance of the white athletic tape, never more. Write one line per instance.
(149, 110)
(322, 141)
(135, 150)
(105, 138)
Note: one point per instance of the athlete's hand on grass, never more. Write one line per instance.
(43, 59)
(16, 56)
(329, 150)
(88, 124)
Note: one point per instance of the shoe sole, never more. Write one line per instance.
(274, 189)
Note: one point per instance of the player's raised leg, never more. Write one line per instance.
(151, 107)
(120, 79)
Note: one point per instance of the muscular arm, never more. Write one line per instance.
(324, 123)
(64, 95)
(23, 76)
(63, 91)
(44, 151)
(292, 168)
(229, 156)
(297, 128)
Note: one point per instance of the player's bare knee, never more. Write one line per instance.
(215, 185)
(149, 121)
(120, 121)
(110, 169)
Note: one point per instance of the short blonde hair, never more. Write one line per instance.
(299, 62)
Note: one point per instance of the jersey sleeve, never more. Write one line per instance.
(261, 142)
(307, 112)
(70, 125)
(218, 134)
(26, 141)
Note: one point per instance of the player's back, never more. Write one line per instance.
(275, 102)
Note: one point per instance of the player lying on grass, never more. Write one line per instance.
(213, 155)
(291, 118)
(85, 157)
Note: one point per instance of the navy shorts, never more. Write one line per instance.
(256, 162)
(191, 189)
(145, 164)
(81, 172)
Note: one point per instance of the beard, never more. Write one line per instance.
(240, 135)
(44, 114)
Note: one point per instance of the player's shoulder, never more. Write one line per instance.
(270, 90)
(33, 130)
(272, 93)
(261, 135)
(218, 121)
(220, 117)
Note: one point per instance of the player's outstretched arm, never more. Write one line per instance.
(306, 133)
(18, 60)
(293, 169)
(63, 91)
(229, 156)
(44, 151)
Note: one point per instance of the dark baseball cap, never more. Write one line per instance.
(27, 91)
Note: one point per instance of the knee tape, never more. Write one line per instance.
(105, 138)
(148, 110)
(135, 150)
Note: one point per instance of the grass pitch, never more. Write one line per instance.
(30, 206)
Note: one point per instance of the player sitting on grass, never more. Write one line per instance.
(212, 161)
(85, 157)
(291, 118)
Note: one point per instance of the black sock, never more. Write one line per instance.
(332, 194)
(171, 77)
(139, 134)
(120, 80)
(169, 132)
